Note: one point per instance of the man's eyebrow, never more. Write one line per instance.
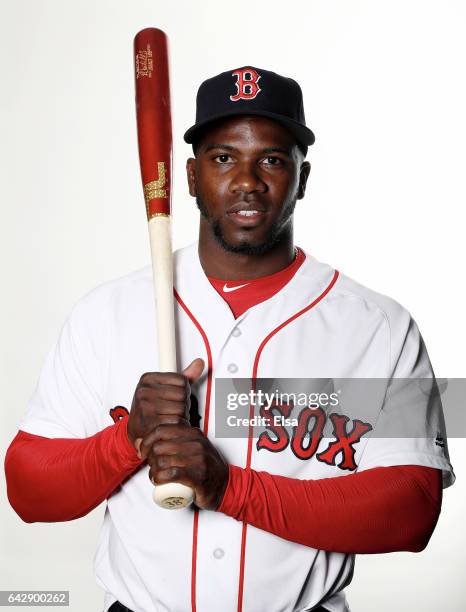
(283, 150)
(219, 146)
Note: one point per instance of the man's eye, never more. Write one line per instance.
(271, 160)
(222, 159)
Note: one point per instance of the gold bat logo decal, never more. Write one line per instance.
(155, 189)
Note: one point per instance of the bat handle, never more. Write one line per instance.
(172, 495)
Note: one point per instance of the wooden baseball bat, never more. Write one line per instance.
(155, 155)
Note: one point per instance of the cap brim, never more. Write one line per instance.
(302, 133)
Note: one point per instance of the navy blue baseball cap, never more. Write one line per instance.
(251, 91)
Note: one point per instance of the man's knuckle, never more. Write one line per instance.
(163, 461)
(178, 409)
(179, 395)
(165, 474)
(140, 394)
(199, 444)
(201, 473)
(162, 392)
(173, 472)
(174, 419)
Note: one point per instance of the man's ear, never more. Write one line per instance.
(303, 176)
(191, 176)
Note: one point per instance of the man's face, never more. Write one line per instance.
(246, 178)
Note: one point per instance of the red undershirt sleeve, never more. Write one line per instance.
(383, 509)
(59, 479)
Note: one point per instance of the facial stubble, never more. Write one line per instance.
(274, 235)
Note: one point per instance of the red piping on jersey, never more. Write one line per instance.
(209, 359)
(205, 429)
(251, 414)
(194, 559)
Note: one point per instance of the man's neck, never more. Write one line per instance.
(217, 262)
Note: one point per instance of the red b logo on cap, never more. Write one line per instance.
(246, 84)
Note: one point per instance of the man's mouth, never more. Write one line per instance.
(246, 214)
(248, 217)
(245, 207)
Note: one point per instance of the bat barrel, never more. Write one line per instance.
(153, 112)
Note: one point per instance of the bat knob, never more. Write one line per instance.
(173, 495)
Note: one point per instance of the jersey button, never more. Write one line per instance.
(218, 553)
(236, 332)
(232, 368)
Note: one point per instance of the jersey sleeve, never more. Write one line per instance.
(38, 470)
(68, 399)
(381, 510)
(410, 428)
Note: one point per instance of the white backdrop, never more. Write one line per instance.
(385, 95)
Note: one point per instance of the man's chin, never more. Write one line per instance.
(243, 247)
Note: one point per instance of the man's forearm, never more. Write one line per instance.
(383, 509)
(59, 479)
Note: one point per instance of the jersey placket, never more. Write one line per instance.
(235, 347)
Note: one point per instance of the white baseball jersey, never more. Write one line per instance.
(321, 324)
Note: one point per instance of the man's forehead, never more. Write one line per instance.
(248, 131)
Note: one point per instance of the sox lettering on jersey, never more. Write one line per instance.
(305, 440)
(247, 86)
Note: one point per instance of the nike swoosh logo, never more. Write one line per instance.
(228, 289)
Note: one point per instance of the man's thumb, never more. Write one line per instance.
(194, 370)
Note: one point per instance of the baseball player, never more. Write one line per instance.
(280, 512)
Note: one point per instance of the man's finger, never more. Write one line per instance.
(148, 441)
(150, 409)
(194, 370)
(172, 393)
(154, 379)
(171, 474)
(174, 432)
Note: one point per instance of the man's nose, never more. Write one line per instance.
(247, 179)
